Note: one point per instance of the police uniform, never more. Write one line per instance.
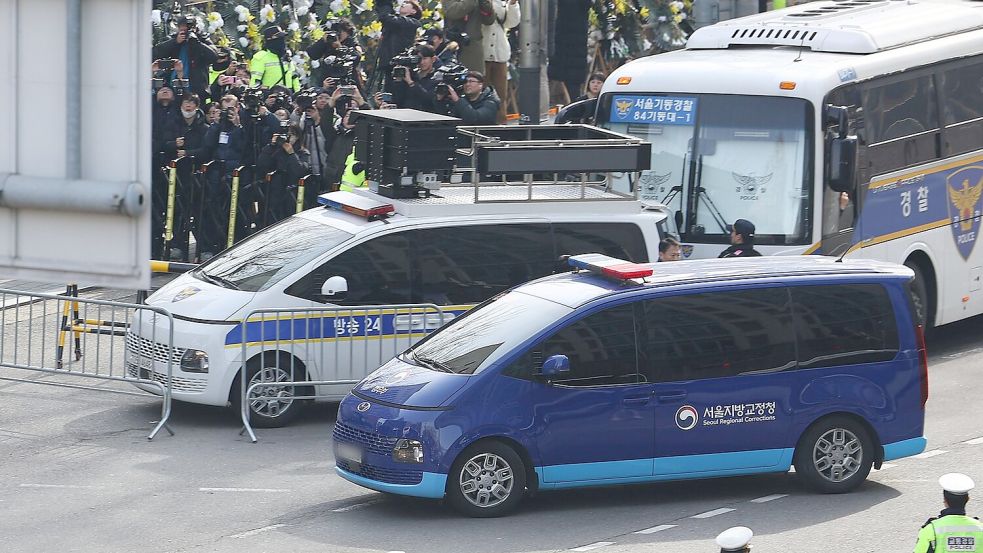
(745, 229)
(735, 540)
(952, 530)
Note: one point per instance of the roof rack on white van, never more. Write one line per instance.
(844, 26)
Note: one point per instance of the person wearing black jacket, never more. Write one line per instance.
(741, 240)
(322, 49)
(184, 135)
(291, 161)
(225, 142)
(416, 89)
(341, 144)
(398, 33)
(196, 53)
(478, 105)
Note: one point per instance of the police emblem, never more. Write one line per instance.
(751, 187)
(649, 181)
(186, 293)
(965, 188)
(687, 250)
(623, 106)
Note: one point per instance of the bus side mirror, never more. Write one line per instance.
(555, 365)
(842, 163)
(577, 112)
(335, 286)
(839, 116)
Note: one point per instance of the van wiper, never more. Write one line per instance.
(224, 282)
(433, 364)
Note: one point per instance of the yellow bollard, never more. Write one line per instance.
(171, 191)
(233, 209)
(300, 195)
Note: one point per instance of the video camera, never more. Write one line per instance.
(408, 59)
(457, 35)
(252, 98)
(280, 137)
(341, 64)
(451, 75)
(305, 98)
(280, 101)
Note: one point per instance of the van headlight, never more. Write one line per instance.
(194, 361)
(408, 451)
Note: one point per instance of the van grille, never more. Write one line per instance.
(143, 347)
(390, 476)
(373, 443)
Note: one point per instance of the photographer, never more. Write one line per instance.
(477, 106)
(338, 53)
(164, 110)
(271, 66)
(228, 81)
(185, 135)
(317, 136)
(466, 17)
(286, 155)
(398, 33)
(342, 142)
(195, 52)
(445, 49)
(415, 89)
(226, 142)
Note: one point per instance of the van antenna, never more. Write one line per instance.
(802, 45)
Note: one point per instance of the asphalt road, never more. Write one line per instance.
(78, 474)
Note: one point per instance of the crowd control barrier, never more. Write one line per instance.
(300, 354)
(34, 328)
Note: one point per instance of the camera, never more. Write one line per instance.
(280, 101)
(347, 90)
(452, 75)
(457, 35)
(341, 64)
(281, 136)
(166, 64)
(407, 59)
(252, 98)
(305, 99)
(331, 36)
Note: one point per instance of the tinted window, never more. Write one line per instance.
(378, 273)
(620, 240)
(459, 265)
(901, 108)
(716, 334)
(963, 88)
(601, 349)
(844, 324)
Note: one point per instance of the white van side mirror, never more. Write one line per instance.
(334, 286)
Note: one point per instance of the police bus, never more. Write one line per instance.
(837, 127)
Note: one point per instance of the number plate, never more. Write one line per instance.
(140, 361)
(348, 452)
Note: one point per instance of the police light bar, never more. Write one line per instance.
(609, 266)
(356, 205)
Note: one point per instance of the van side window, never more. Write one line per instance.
(601, 349)
(718, 334)
(378, 273)
(844, 325)
(469, 264)
(619, 240)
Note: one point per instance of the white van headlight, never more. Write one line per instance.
(408, 451)
(194, 361)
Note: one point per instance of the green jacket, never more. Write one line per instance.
(265, 68)
(950, 533)
(350, 179)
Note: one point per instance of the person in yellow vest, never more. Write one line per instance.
(270, 66)
(952, 530)
(354, 175)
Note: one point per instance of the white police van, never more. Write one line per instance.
(363, 249)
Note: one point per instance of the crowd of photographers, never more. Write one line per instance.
(217, 117)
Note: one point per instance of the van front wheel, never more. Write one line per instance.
(271, 404)
(834, 456)
(487, 480)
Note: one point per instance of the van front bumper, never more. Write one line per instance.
(432, 485)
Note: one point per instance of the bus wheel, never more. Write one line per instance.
(488, 479)
(834, 455)
(271, 405)
(919, 297)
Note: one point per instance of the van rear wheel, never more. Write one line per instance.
(834, 456)
(488, 479)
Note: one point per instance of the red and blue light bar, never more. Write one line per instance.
(355, 204)
(609, 266)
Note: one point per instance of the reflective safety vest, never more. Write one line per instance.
(951, 533)
(265, 69)
(350, 179)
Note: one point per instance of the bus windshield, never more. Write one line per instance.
(721, 157)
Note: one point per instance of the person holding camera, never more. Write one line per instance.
(498, 52)
(196, 54)
(342, 142)
(227, 143)
(445, 49)
(286, 155)
(415, 89)
(228, 81)
(334, 49)
(185, 134)
(477, 106)
(317, 137)
(398, 33)
(271, 66)
(466, 18)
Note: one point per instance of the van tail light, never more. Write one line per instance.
(923, 361)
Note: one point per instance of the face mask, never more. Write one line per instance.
(188, 114)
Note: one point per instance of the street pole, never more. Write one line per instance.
(529, 63)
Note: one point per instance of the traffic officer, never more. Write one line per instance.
(741, 240)
(735, 540)
(271, 66)
(952, 530)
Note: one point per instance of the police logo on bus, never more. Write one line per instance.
(965, 190)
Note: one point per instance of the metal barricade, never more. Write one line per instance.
(322, 352)
(33, 328)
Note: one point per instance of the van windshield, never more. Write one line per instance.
(498, 325)
(267, 257)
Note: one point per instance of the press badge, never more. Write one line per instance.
(223, 138)
(961, 544)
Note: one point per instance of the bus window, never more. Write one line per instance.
(962, 110)
(903, 123)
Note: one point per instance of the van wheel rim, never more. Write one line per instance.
(838, 455)
(270, 400)
(486, 480)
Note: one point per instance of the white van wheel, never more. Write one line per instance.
(271, 405)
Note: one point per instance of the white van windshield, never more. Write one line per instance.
(267, 257)
(499, 324)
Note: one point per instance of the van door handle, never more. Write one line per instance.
(636, 400)
(668, 397)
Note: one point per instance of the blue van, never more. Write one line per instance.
(620, 373)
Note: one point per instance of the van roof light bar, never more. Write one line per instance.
(360, 206)
(609, 266)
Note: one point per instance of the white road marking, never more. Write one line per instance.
(254, 490)
(714, 512)
(58, 486)
(929, 453)
(974, 441)
(596, 545)
(257, 531)
(358, 505)
(655, 529)
(887, 466)
(768, 498)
